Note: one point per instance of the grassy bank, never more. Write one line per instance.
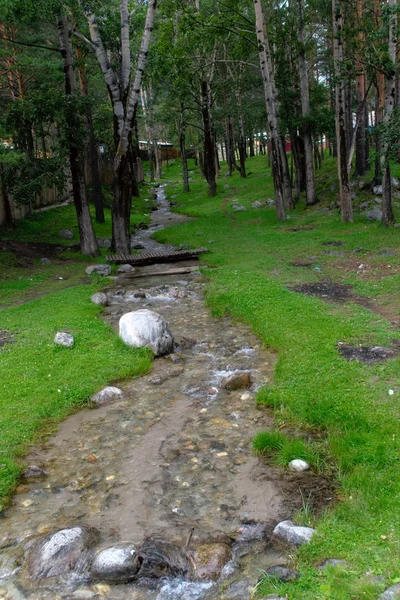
(345, 405)
(40, 384)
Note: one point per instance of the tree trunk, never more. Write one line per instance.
(251, 145)
(209, 157)
(87, 238)
(340, 114)
(242, 137)
(272, 111)
(390, 98)
(311, 195)
(92, 147)
(182, 142)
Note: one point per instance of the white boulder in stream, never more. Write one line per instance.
(146, 329)
(60, 552)
(116, 564)
(289, 533)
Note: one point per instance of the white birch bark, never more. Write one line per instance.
(270, 101)
(311, 197)
(340, 112)
(125, 47)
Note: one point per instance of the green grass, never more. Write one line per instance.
(41, 381)
(345, 404)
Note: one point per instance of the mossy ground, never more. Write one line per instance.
(346, 406)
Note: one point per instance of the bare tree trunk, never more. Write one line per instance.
(340, 114)
(88, 242)
(182, 141)
(209, 158)
(272, 109)
(251, 145)
(92, 148)
(390, 98)
(311, 195)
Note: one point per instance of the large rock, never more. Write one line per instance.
(392, 593)
(146, 329)
(108, 394)
(374, 215)
(210, 559)
(100, 298)
(60, 552)
(99, 269)
(66, 234)
(64, 339)
(116, 564)
(289, 533)
(237, 380)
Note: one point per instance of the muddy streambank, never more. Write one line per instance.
(168, 468)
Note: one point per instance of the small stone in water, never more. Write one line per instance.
(33, 471)
(209, 560)
(237, 380)
(298, 465)
(245, 396)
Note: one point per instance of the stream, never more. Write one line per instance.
(170, 462)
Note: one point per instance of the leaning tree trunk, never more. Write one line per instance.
(390, 98)
(340, 114)
(311, 195)
(182, 143)
(209, 152)
(88, 242)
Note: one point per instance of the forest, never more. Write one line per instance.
(253, 452)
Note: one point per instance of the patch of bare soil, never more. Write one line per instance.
(27, 252)
(300, 228)
(5, 337)
(333, 243)
(368, 354)
(301, 263)
(336, 292)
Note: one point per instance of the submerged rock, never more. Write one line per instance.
(161, 559)
(59, 552)
(64, 339)
(108, 394)
(146, 329)
(116, 564)
(289, 533)
(210, 559)
(126, 269)
(237, 380)
(33, 472)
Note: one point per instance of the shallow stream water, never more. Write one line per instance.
(172, 460)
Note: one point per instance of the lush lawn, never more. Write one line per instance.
(316, 391)
(42, 383)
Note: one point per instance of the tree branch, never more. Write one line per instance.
(51, 48)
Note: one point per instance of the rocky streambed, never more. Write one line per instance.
(156, 494)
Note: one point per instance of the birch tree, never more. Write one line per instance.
(124, 90)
